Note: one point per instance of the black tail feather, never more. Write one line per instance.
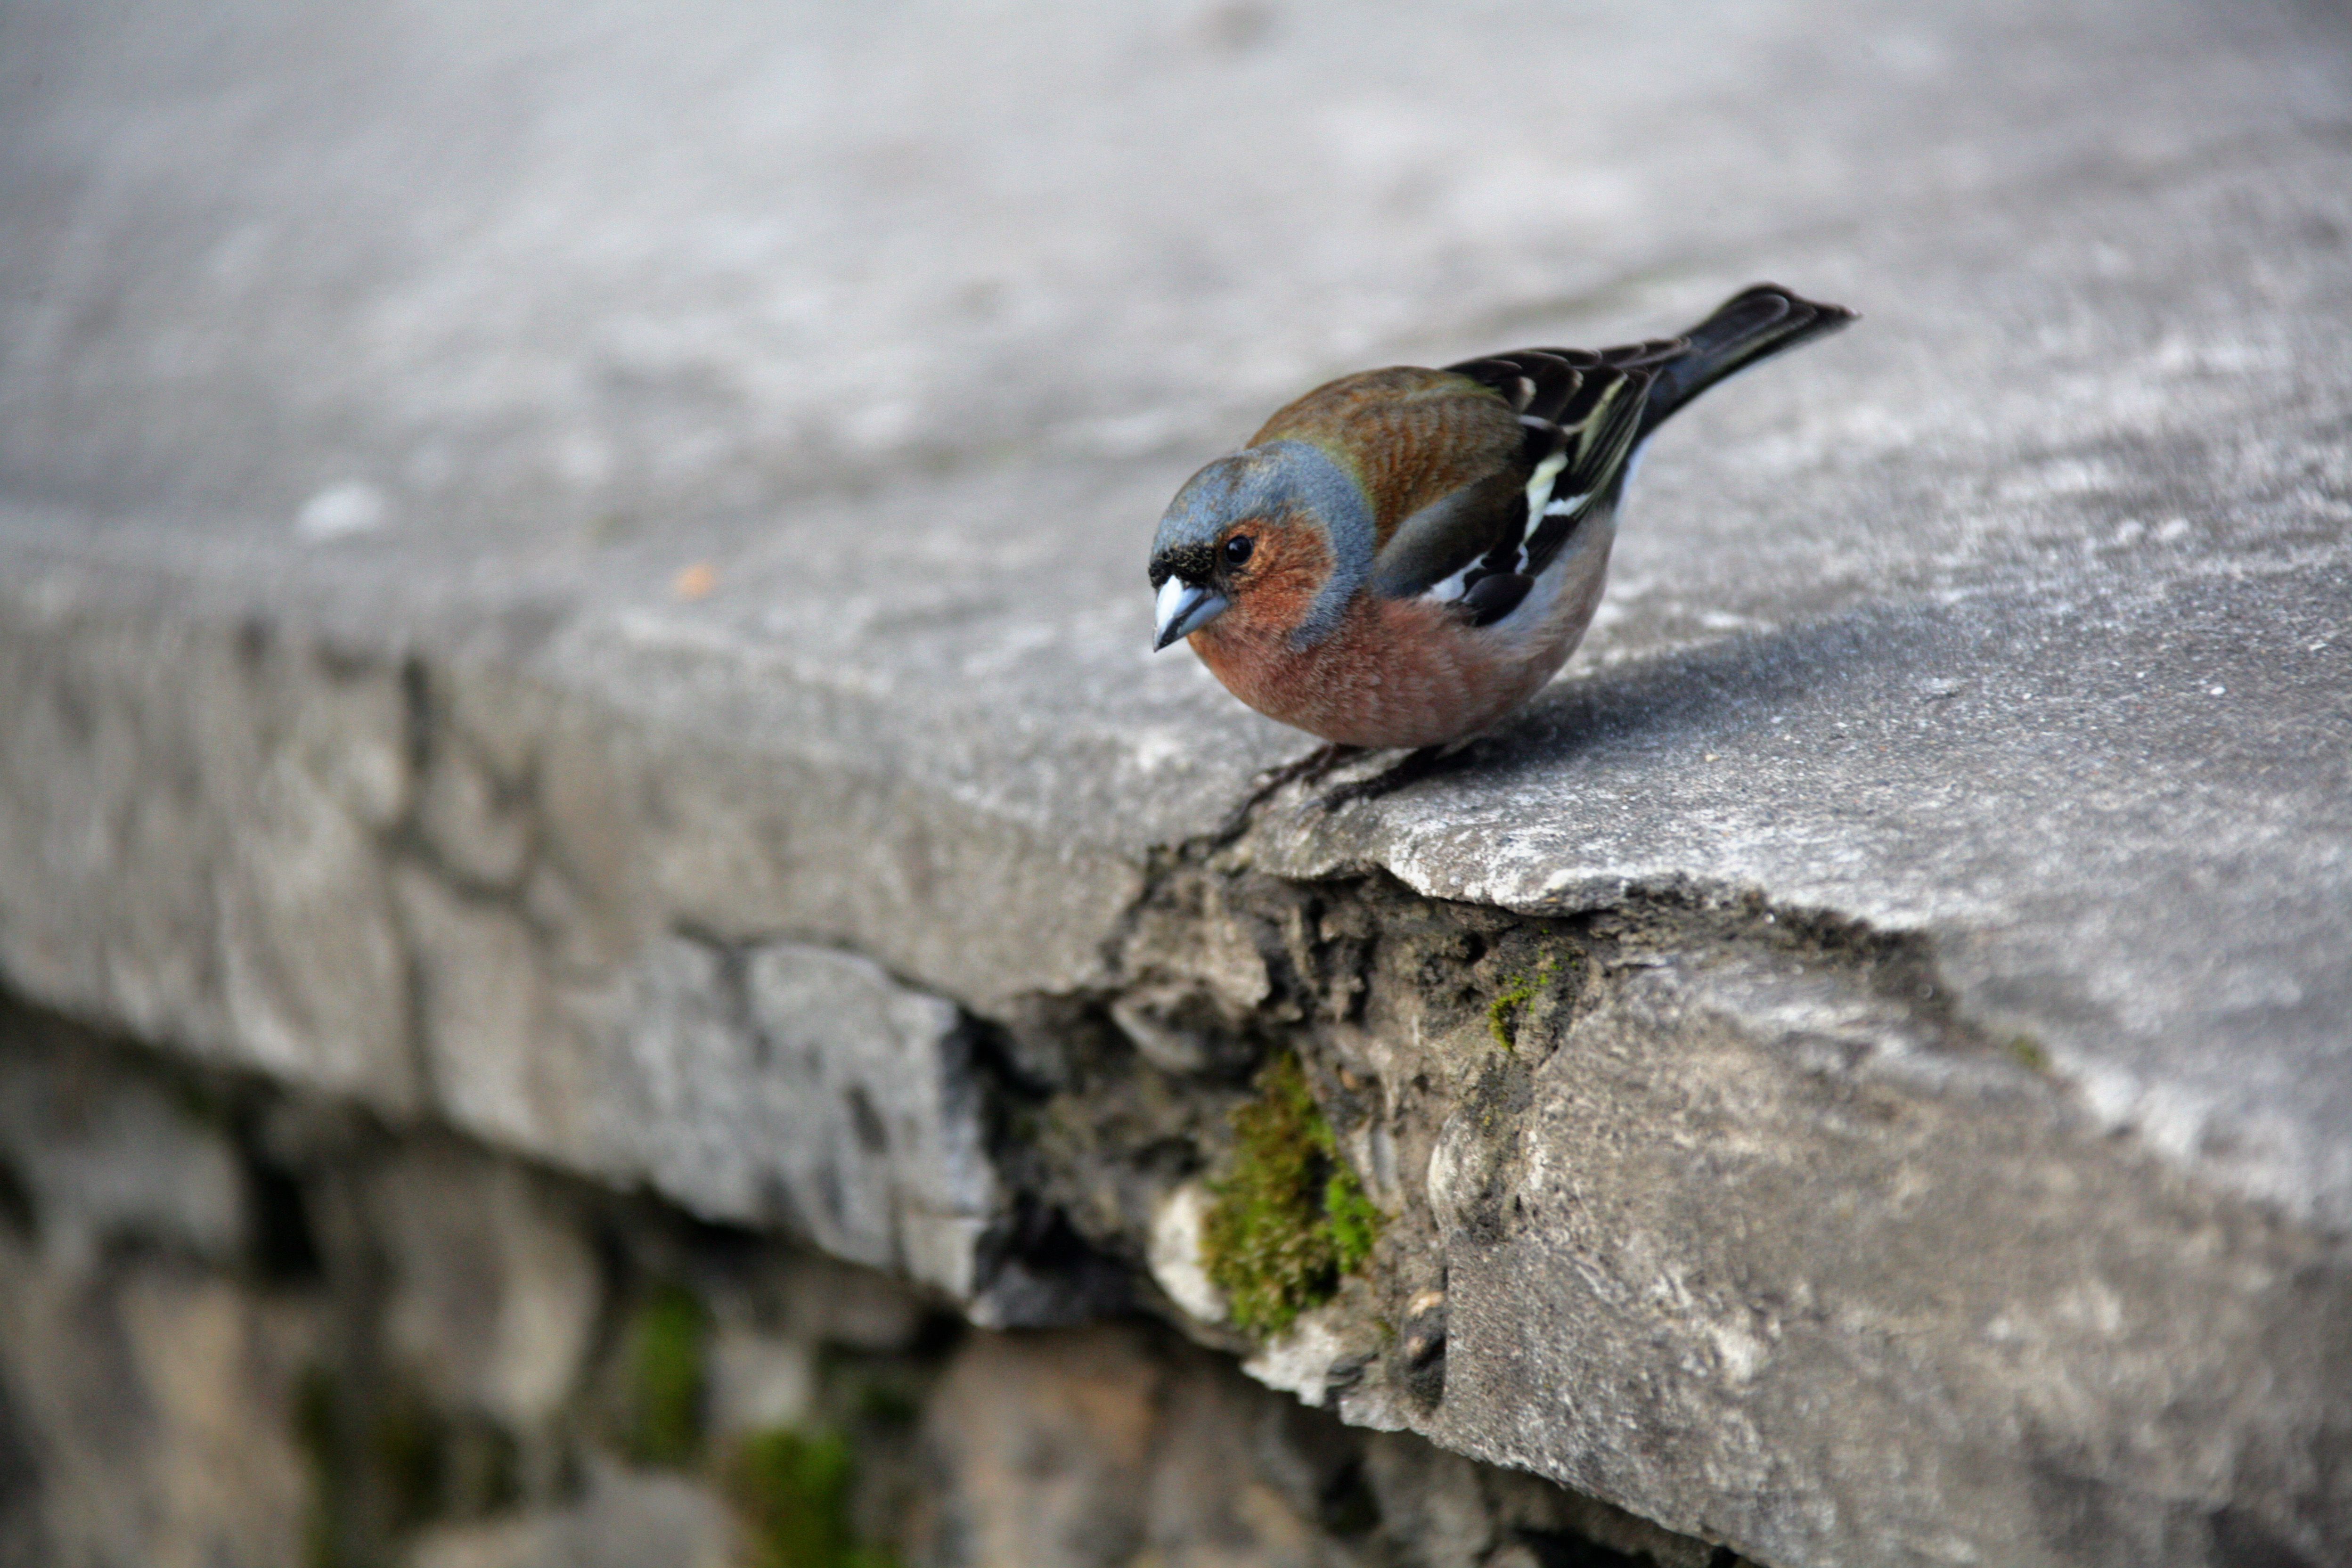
(1751, 326)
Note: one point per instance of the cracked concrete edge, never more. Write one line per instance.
(1756, 1239)
(458, 892)
(1795, 1276)
(328, 865)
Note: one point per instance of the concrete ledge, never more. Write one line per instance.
(750, 782)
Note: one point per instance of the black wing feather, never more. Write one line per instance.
(1591, 409)
(1585, 412)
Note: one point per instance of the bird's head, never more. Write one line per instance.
(1276, 538)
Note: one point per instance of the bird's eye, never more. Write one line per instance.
(1238, 548)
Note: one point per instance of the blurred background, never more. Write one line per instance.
(485, 268)
(544, 302)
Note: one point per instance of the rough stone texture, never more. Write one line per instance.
(147, 1411)
(154, 1416)
(492, 1289)
(1724, 1179)
(622, 1522)
(101, 1161)
(514, 527)
(1114, 1446)
(408, 1350)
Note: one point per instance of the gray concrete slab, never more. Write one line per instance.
(646, 479)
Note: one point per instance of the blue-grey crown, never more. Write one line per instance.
(1280, 478)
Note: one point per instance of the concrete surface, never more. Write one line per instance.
(500, 514)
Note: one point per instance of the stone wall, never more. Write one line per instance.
(240, 1325)
(571, 583)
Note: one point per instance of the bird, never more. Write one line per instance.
(1404, 557)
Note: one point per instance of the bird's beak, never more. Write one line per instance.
(1184, 608)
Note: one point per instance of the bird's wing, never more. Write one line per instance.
(1483, 546)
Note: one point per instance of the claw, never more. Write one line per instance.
(1409, 769)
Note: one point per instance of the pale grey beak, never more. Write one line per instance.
(1184, 609)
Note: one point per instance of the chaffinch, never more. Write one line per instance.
(1402, 557)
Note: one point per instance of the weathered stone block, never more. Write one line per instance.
(420, 1362)
(566, 576)
(98, 1164)
(494, 1290)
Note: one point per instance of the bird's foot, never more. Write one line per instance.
(1313, 765)
(1413, 766)
(1428, 761)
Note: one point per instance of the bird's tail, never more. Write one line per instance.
(1747, 329)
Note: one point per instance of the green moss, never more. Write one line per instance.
(666, 1352)
(1502, 1013)
(1289, 1217)
(792, 1491)
(1352, 1220)
(2029, 1054)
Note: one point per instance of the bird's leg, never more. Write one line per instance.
(1409, 769)
(1312, 766)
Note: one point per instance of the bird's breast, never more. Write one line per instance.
(1397, 673)
(1412, 672)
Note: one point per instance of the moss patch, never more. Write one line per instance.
(2029, 1054)
(1289, 1217)
(1510, 1003)
(668, 1347)
(1349, 1214)
(792, 1491)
